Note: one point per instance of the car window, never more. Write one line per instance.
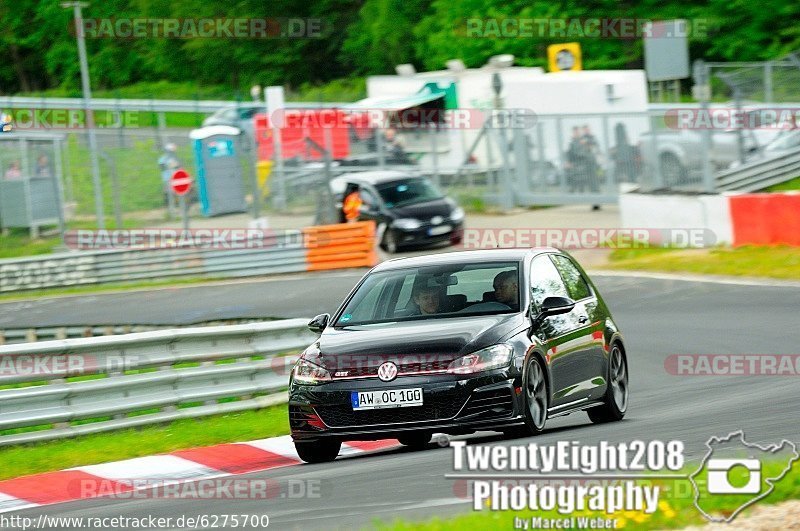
(368, 198)
(576, 285)
(408, 192)
(430, 292)
(545, 281)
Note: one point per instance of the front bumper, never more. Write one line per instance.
(422, 236)
(451, 404)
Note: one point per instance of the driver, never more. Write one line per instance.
(427, 298)
(506, 287)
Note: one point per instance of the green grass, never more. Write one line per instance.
(794, 184)
(337, 90)
(781, 262)
(676, 509)
(125, 444)
(18, 243)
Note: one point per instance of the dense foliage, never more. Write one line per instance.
(365, 37)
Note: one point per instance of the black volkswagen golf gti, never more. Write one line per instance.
(454, 343)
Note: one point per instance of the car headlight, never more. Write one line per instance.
(407, 223)
(486, 359)
(306, 371)
(457, 214)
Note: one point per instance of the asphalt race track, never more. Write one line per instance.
(658, 317)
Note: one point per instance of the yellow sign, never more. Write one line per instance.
(563, 57)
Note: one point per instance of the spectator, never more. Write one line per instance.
(577, 162)
(43, 167)
(396, 153)
(168, 163)
(625, 156)
(594, 158)
(13, 172)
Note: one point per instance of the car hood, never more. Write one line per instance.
(423, 211)
(437, 341)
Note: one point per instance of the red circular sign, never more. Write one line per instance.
(180, 182)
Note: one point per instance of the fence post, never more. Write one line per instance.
(768, 82)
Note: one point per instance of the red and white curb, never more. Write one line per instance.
(182, 466)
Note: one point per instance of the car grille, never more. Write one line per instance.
(402, 369)
(434, 408)
(495, 403)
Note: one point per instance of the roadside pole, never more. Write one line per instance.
(87, 99)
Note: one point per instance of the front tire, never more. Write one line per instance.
(616, 398)
(537, 398)
(318, 451)
(389, 243)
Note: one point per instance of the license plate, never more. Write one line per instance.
(441, 229)
(386, 399)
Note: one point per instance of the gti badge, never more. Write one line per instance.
(387, 371)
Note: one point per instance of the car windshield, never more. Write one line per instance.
(431, 292)
(408, 191)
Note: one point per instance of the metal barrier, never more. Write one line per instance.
(48, 333)
(760, 174)
(314, 248)
(179, 373)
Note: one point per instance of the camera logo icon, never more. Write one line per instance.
(719, 482)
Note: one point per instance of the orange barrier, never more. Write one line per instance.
(340, 246)
(765, 219)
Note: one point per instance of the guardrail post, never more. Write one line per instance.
(30, 335)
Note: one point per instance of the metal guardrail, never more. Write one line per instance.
(48, 333)
(311, 249)
(108, 104)
(760, 174)
(143, 378)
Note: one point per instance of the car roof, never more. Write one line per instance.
(464, 257)
(374, 176)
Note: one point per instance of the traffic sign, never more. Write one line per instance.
(180, 182)
(566, 56)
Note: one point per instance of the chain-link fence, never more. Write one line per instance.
(544, 159)
(768, 81)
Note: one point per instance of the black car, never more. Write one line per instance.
(408, 209)
(454, 343)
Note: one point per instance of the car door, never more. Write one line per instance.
(566, 337)
(591, 323)
(371, 206)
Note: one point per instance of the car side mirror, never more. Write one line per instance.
(318, 323)
(553, 306)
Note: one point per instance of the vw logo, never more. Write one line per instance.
(387, 371)
(435, 220)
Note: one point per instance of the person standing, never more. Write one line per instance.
(351, 206)
(167, 164)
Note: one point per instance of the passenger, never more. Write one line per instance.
(428, 299)
(506, 287)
